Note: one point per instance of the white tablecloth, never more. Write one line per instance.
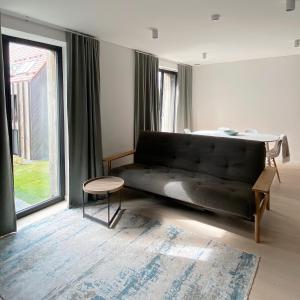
(261, 137)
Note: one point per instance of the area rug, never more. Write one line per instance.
(67, 257)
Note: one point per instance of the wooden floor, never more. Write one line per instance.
(278, 275)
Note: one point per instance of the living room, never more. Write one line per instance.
(164, 135)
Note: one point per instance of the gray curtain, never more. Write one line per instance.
(7, 202)
(184, 100)
(84, 124)
(146, 98)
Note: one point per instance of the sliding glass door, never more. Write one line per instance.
(33, 75)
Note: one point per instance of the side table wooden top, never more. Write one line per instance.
(103, 184)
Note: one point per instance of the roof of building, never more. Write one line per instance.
(26, 61)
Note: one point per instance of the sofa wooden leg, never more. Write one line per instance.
(277, 172)
(257, 229)
(268, 201)
(257, 216)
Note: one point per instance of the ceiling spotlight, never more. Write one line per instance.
(290, 5)
(297, 43)
(154, 33)
(204, 55)
(215, 17)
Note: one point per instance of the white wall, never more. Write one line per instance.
(117, 97)
(262, 94)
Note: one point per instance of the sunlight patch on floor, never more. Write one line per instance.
(189, 252)
(210, 230)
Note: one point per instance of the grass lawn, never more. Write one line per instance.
(32, 180)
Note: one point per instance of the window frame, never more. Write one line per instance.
(6, 39)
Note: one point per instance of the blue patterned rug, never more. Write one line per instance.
(67, 257)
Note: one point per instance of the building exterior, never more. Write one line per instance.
(30, 96)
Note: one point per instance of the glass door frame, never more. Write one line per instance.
(6, 39)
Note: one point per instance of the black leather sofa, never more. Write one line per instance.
(214, 173)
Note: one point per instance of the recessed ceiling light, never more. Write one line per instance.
(290, 5)
(297, 43)
(215, 17)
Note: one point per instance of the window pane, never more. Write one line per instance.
(34, 101)
(168, 102)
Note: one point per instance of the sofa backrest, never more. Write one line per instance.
(232, 159)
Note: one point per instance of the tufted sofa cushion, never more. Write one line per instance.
(197, 188)
(226, 158)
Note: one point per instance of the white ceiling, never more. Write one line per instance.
(248, 29)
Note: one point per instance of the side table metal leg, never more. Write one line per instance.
(83, 204)
(108, 210)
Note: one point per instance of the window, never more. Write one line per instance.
(167, 95)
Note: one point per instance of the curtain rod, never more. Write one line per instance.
(146, 53)
(42, 23)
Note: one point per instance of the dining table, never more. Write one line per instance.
(260, 137)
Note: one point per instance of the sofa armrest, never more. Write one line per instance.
(109, 159)
(264, 181)
(118, 155)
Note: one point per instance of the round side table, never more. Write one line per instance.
(99, 186)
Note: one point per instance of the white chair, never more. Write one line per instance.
(187, 130)
(251, 130)
(275, 152)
